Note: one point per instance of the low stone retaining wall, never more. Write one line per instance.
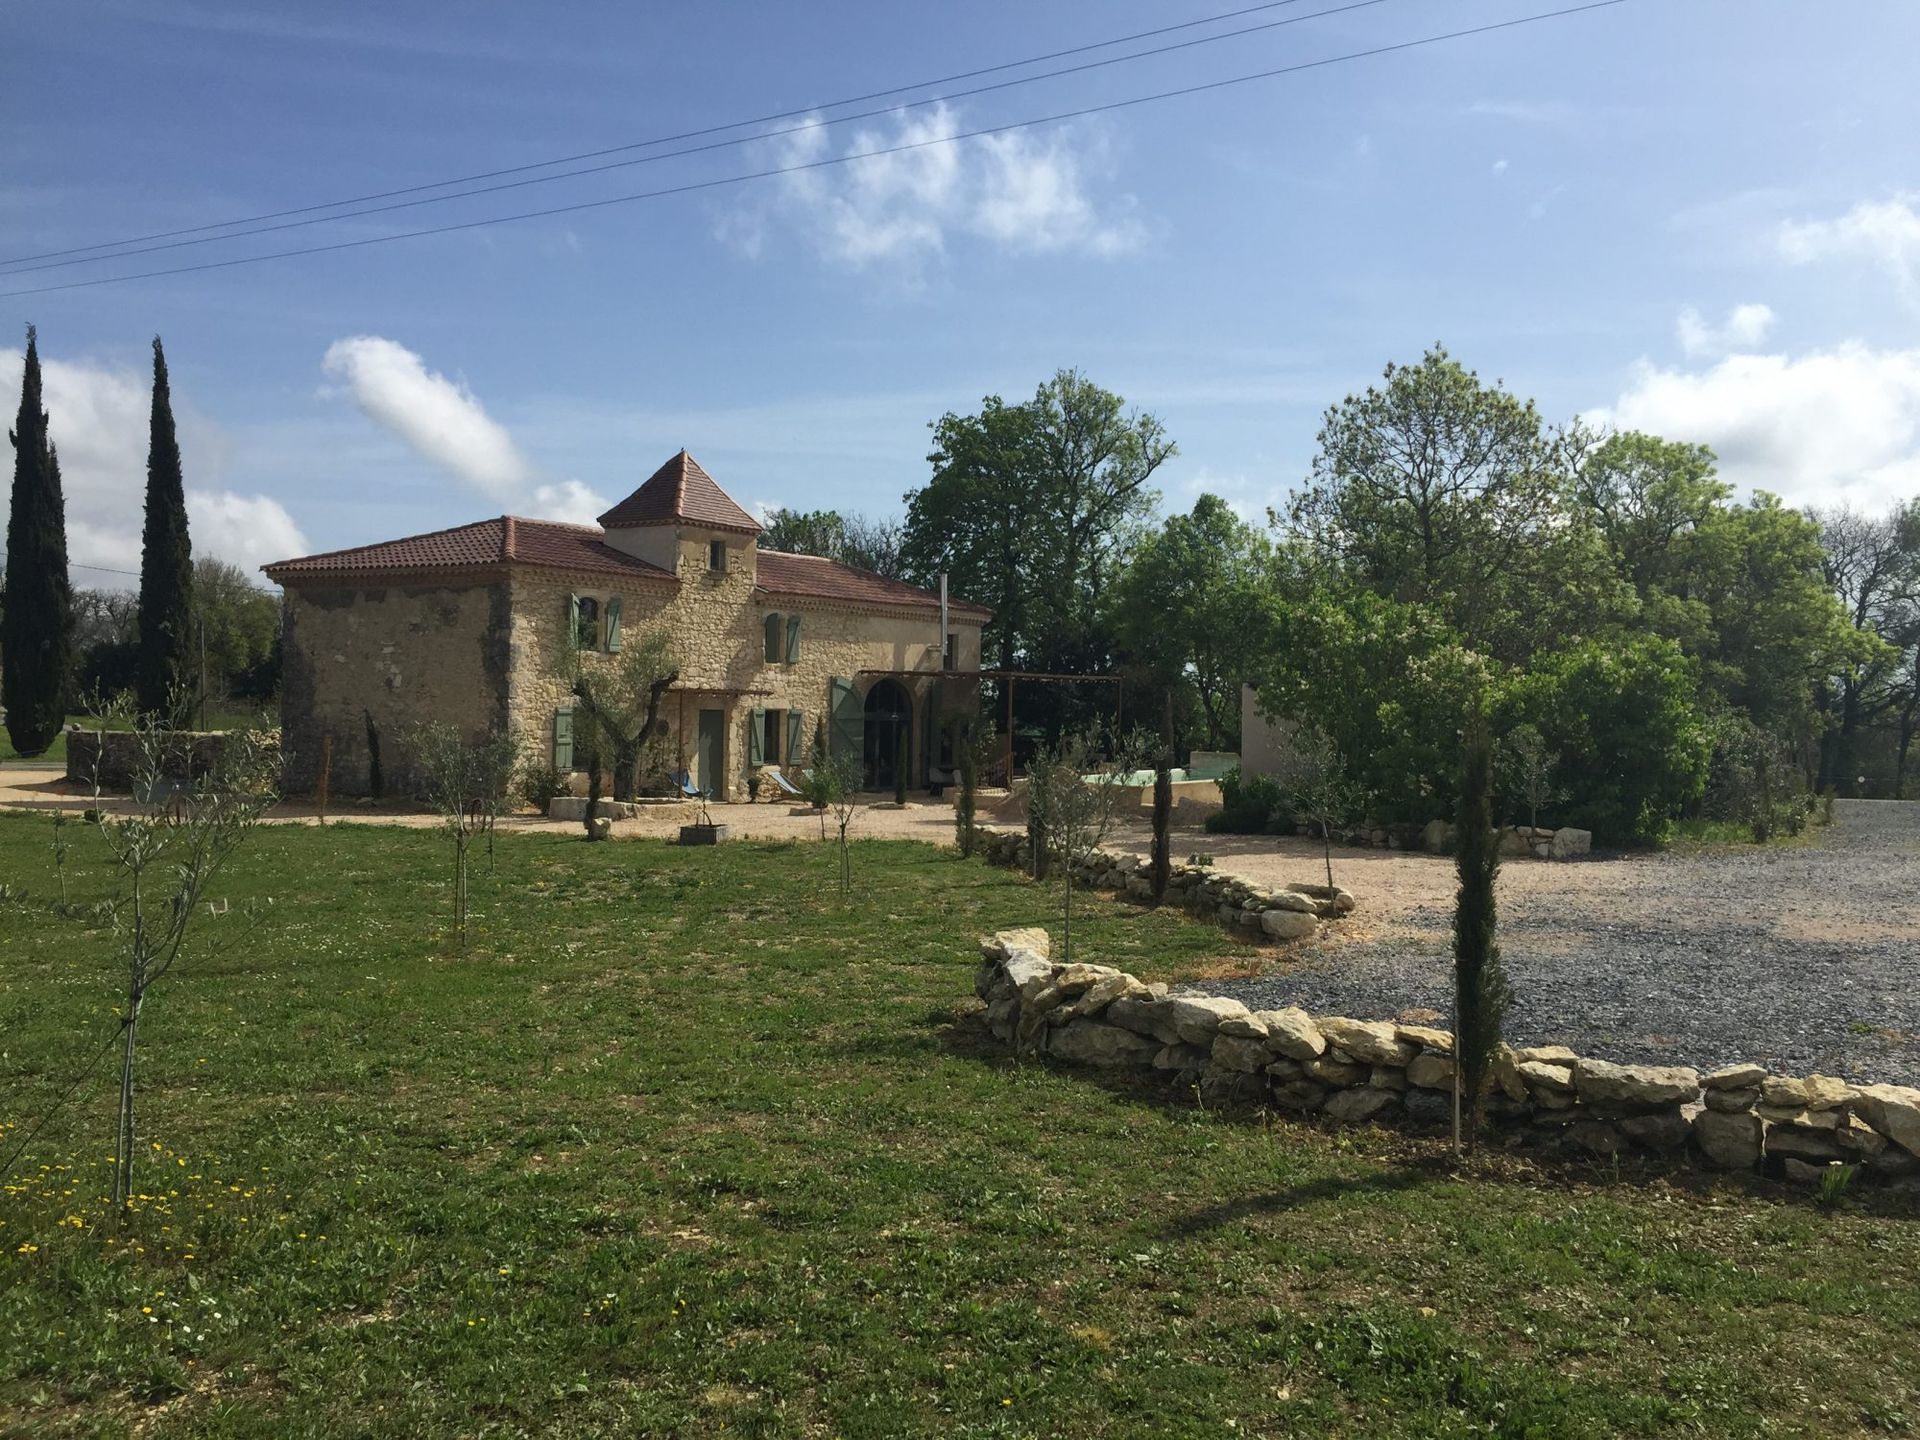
(116, 755)
(1737, 1118)
(1252, 911)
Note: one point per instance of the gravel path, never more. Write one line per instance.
(1805, 959)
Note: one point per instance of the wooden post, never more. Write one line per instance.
(320, 786)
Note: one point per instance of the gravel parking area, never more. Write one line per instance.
(1806, 959)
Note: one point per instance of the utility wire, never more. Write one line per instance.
(663, 139)
(21, 268)
(831, 160)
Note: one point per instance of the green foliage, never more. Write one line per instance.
(1389, 686)
(967, 754)
(1195, 608)
(1622, 718)
(855, 540)
(36, 621)
(1525, 770)
(1436, 489)
(1030, 510)
(242, 631)
(618, 718)
(1250, 805)
(166, 560)
(540, 783)
(1481, 992)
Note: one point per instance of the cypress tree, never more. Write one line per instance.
(1481, 993)
(166, 560)
(36, 627)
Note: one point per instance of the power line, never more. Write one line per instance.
(698, 185)
(662, 139)
(21, 268)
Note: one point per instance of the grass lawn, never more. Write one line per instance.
(54, 754)
(684, 1146)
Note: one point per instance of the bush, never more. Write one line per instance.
(1621, 716)
(541, 783)
(1251, 805)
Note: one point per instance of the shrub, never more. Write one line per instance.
(1251, 805)
(540, 784)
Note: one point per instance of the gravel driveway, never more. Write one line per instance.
(1805, 959)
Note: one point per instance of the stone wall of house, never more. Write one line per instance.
(1740, 1117)
(718, 627)
(114, 758)
(402, 654)
(1252, 912)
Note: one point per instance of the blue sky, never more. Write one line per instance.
(1696, 216)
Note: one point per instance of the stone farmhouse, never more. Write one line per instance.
(471, 625)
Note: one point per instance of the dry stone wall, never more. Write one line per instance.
(1741, 1117)
(114, 757)
(1253, 912)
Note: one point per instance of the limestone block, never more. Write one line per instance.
(1601, 1081)
(1371, 1042)
(1730, 1141)
(1440, 1042)
(1360, 1104)
(1430, 1072)
(1292, 1033)
(1235, 1052)
(1093, 1042)
(1195, 1018)
(1568, 842)
(1731, 1102)
(1734, 1077)
(1288, 924)
(1893, 1110)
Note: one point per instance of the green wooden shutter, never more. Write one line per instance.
(613, 626)
(793, 639)
(573, 622)
(796, 738)
(563, 739)
(846, 721)
(773, 638)
(756, 743)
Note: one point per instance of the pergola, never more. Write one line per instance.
(1012, 677)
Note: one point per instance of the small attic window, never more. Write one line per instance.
(717, 556)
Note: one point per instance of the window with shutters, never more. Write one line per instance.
(773, 727)
(776, 638)
(586, 622)
(717, 556)
(793, 639)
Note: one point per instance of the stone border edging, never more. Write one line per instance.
(1293, 912)
(1739, 1117)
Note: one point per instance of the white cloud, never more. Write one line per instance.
(1885, 233)
(443, 421)
(98, 416)
(1826, 427)
(1500, 167)
(1746, 325)
(1021, 191)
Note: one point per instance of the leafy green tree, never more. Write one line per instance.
(1655, 504)
(166, 560)
(856, 540)
(1435, 489)
(242, 629)
(1031, 510)
(1387, 684)
(1195, 608)
(1622, 714)
(36, 625)
(1872, 566)
(620, 698)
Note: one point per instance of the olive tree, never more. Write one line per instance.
(1075, 798)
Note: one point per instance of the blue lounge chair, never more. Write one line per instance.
(683, 782)
(783, 784)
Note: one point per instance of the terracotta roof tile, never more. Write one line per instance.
(680, 492)
(503, 540)
(807, 575)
